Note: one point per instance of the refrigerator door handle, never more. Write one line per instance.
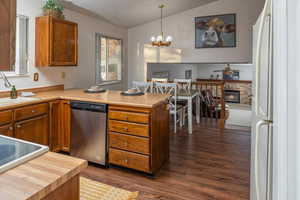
(265, 15)
(259, 125)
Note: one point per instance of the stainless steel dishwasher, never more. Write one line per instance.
(89, 137)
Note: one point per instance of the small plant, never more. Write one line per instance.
(53, 5)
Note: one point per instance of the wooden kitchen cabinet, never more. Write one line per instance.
(6, 117)
(7, 130)
(7, 34)
(56, 42)
(28, 112)
(56, 131)
(139, 137)
(66, 125)
(34, 130)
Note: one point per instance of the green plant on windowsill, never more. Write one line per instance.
(53, 8)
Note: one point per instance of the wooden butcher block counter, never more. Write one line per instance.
(110, 97)
(138, 126)
(50, 176)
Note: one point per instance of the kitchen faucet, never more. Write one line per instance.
(7, 84)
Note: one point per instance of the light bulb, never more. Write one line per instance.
(159, 38)
(153, 39)
(169, 39)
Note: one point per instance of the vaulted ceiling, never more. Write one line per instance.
(130, 13)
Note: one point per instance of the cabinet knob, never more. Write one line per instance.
(19, 126)
(126, 128)
(11, 128)
(126, 161)
(33, 111)
(125, 144)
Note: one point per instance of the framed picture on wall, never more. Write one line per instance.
(218, 31)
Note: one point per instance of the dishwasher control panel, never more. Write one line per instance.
(96, 107)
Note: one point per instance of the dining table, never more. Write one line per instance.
(189, 95)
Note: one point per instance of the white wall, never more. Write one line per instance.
(181, 26)
(81, 76)
(202, 71)
(239, 115)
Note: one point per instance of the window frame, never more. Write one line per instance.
(99, 80)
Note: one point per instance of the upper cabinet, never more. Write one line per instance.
(56, 42)
(7, 34)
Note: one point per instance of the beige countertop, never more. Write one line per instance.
(39, 177)
(110, 97)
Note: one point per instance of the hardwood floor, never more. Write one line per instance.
(204, 166)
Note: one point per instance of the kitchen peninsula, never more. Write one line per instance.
(138, 129)
(46, 177)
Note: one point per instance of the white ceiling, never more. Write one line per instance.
(130, 13)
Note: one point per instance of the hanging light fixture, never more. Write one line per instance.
(161, 40)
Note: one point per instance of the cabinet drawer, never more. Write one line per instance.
(7, 130)
(129, 160)
(129, 143)
(31, 111)
(6, 117)
(129, 116)
(129, 128)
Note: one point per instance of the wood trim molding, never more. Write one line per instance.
(35, 90)
(227, 81)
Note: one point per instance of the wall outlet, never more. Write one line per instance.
(63, 75)
(36, 76)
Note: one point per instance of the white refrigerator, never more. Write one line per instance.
(262, 123)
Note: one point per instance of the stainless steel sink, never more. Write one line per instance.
(14, 152)
(8, 101)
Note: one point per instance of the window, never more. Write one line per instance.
(108, 59)
(21, 66)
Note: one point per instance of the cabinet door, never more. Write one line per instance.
(7, 34)
(7, 130)
(55, 126)
(63, 43)
(34, 130)
(6, 117)
(66, 125)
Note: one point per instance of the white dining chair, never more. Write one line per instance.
(175, 109)
(146, 87)
(160, 80)
(184, 84)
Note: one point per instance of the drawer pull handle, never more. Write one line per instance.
(33, 111)
(19, 126)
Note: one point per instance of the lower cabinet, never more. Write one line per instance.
(139, 137)
(7, 130)
(66, 125)
(55, 135)
(45, 123)
(34, 130)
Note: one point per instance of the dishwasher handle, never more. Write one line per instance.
(94, 107)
